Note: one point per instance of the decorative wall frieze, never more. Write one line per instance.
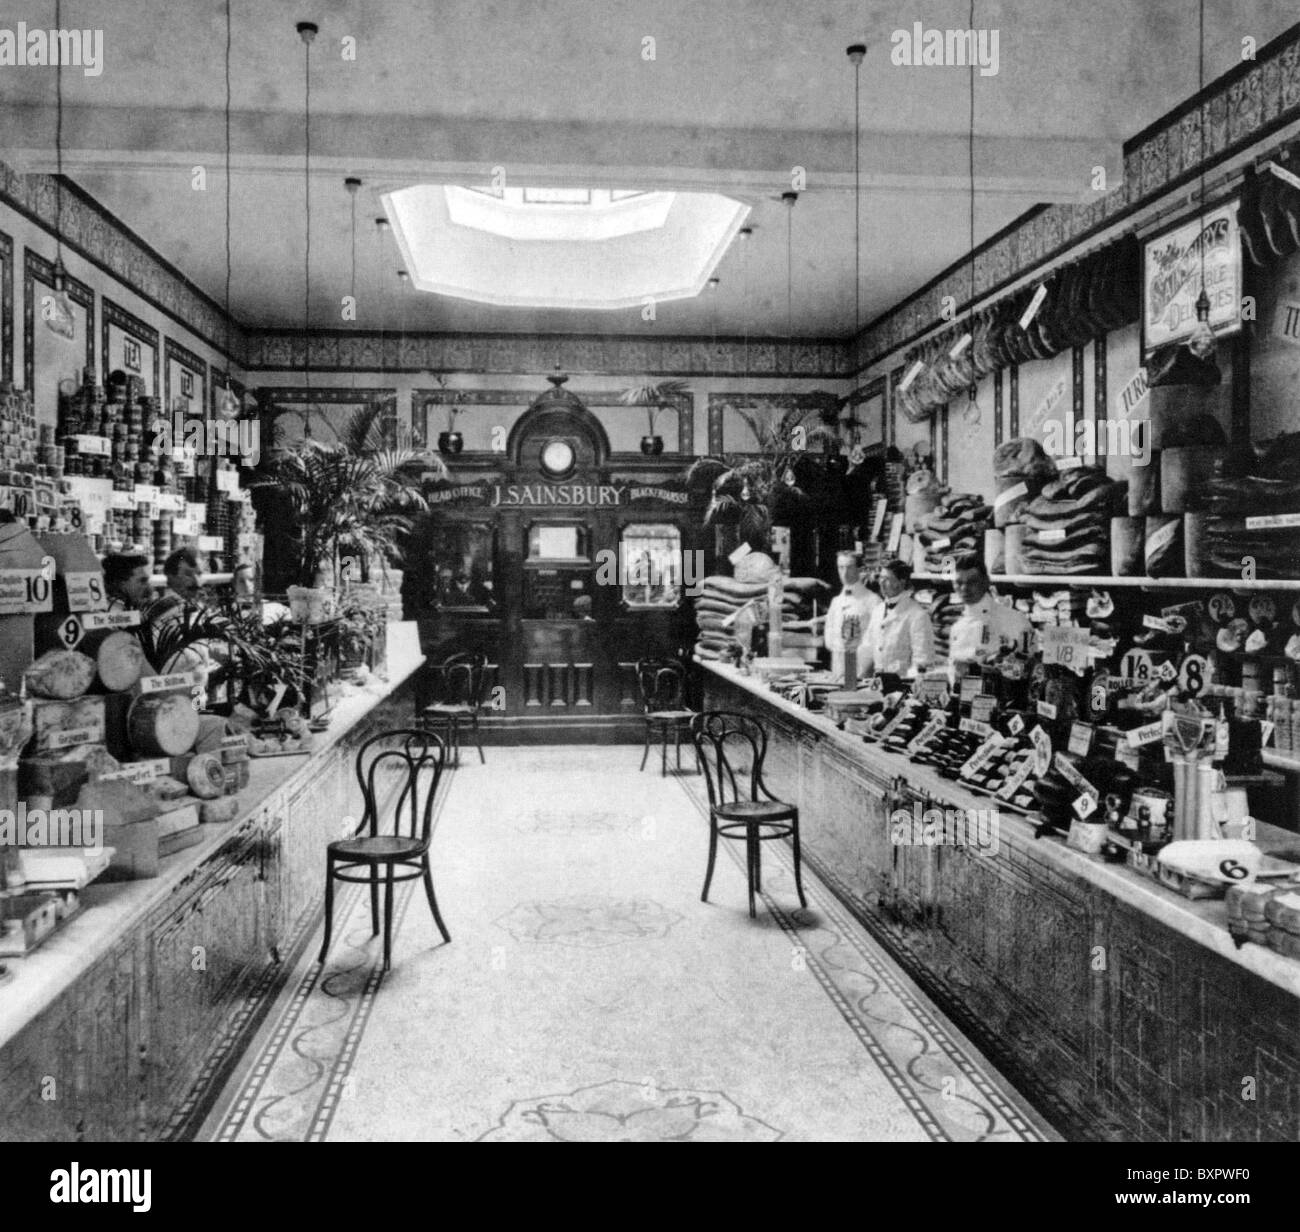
(527, 354)
(1238, 109)
(93, 233)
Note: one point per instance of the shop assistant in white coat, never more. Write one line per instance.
(900, 639)
(854, 600)
(986, 626)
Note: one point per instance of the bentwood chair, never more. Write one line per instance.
(731, 749)
(414, 761)
(662, 683)
(459, 688)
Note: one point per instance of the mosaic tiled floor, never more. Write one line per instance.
(588, 995)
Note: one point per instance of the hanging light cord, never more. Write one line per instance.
(58, 140)
(306, 296)
(970, 163)
(857, 201)
(1200, 89)
(228, 44)
(789, 263)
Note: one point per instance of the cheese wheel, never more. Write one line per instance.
(119, 659)
(206, 778)
(162, 724)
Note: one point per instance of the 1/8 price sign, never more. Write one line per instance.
(1066, 646)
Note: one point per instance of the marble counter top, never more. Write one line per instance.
(1202, 920)
(110, 910)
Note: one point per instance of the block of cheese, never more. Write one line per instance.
(223, 809)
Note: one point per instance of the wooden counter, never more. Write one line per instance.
(118, 1025)
(1126, 1010)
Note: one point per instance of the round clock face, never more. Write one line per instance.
(557, 457)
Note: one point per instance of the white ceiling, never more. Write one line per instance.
(557, 92)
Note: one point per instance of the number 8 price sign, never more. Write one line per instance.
(1194, 675)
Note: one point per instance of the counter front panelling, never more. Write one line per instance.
(118, 1026)
(1123, 1010)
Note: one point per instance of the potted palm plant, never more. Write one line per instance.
(355, 497)
(748, 491)
(655, 398)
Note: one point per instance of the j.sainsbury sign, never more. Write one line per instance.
(582, 495)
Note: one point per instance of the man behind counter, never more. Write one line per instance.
(986, 627)
(126, 578)
(899, 640)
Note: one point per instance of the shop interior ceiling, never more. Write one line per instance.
(563, 93)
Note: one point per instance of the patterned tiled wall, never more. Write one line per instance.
(532, 353)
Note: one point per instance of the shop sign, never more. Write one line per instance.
(1066, 646)
(1286, 322)
(538, 495)
(667, 495)
(24, 591)
(1016, 781)
(139, 771)
(110, 620)
(1273, 521)
(1148, 733)
(1133, 393)
(1081, 735)
(176, 680)
(1205, 247)
(85, 591)
(1065, 768)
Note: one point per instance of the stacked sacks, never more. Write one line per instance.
(955, 528)
(720, 598)
(1067, 527)
(1020, 470)
(1263, 483)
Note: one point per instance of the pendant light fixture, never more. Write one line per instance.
(857, 53)
(746, 234)
(381, 229)
(971, 414)
(352, 184)
(307, 31)
(58, 313)
(228, 405)
(789, 199)
(1202, 343)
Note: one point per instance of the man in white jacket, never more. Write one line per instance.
(854, 601)
(899, 640)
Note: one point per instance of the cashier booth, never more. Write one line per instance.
(564, 563)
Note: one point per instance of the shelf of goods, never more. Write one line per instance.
(1096, 987)
(112, 1003)
(1147, 583)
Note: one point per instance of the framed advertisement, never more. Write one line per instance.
(1171, 276)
